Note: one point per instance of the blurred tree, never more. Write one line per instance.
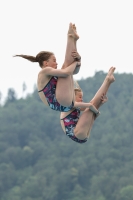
(24, 88)
(11, 96)
(0, 97)
(126, 193)
(38, 161)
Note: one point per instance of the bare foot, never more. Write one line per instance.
(110, 77)
(72, 31)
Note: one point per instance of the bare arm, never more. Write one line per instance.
(82, 104)
(49, 71)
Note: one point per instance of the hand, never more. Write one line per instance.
(104, 98)
(76, 55)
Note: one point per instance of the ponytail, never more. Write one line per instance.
(40, 57)
(30, 58)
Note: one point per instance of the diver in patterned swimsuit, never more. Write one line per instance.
(49, 92)
(78, 127)
(55, 86)
(70, 122)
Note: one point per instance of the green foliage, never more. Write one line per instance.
(126, 193)
(39, 162)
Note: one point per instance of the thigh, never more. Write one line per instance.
(65, 91)
(84, 125)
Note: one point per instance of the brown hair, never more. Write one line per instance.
(40, 57)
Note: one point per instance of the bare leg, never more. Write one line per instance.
(65, 86)
(104, 87)
(72, 37)
(96, 101)
(86, 120)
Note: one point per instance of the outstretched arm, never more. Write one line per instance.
(83, 105)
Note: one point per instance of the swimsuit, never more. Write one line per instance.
(70, 122)
(49, 92)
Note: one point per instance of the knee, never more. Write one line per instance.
(80, 134)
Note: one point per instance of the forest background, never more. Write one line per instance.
(39, 162)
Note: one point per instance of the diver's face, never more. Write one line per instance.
(79, 96)
(51, 62)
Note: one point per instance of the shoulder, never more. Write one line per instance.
(45, 71)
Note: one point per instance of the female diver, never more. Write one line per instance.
(78, 127)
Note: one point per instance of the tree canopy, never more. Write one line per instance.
(39, 162)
